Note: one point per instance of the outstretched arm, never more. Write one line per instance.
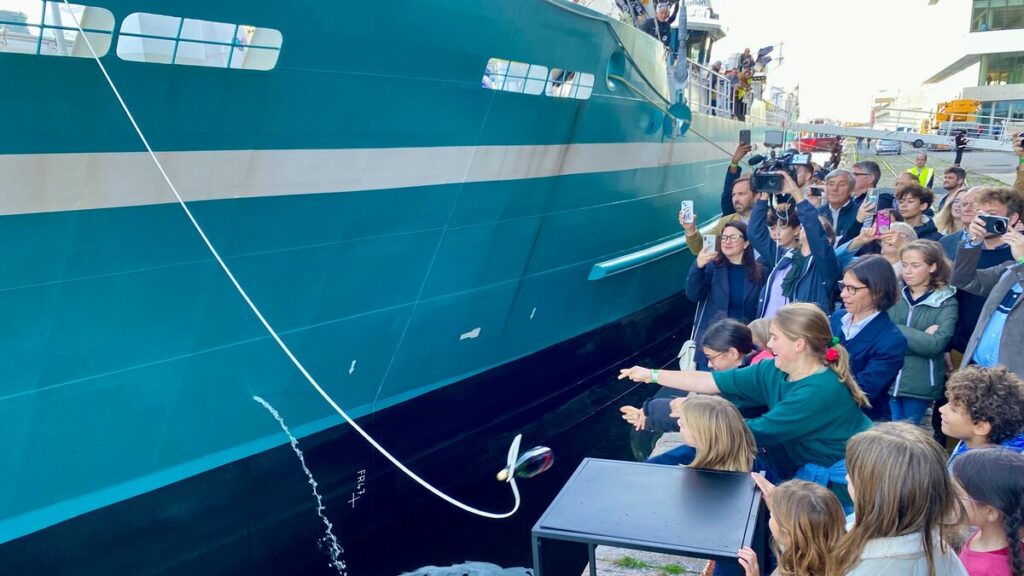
(688, 380)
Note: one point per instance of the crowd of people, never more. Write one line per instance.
(829, 323)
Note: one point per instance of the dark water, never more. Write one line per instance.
(427, 531)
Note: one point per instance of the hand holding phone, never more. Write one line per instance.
(686, 208)
(710, 243)
(883, 221)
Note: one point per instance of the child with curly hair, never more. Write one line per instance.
(986, 407)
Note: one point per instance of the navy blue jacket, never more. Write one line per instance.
(848, 227)
(710, 285)
(928, 231)
(876, 357)
(817, 284)
(951, 243)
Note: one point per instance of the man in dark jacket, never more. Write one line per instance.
(998, 337)
(840, 209)
(914, 202)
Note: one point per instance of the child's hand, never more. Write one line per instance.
(748, 559)
(634, 416)
(766, 487)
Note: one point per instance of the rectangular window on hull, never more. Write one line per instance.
(523, 78)
(172, 40)
(47, 28)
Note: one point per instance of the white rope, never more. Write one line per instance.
(513, 449)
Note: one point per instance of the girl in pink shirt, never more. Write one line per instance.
(992, 480)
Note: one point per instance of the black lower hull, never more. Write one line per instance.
(257, 515)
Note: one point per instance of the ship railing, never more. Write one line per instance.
(708, 92)
(775, 116)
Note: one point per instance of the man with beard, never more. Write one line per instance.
(737, 202)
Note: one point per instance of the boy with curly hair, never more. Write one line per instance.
(986, 408)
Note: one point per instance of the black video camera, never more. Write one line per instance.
(765, 177)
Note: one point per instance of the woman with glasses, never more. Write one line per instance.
(963, 211)
(725, 283)
(876, 346)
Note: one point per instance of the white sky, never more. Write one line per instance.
(841, 52)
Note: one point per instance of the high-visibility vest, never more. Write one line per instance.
(924, 176)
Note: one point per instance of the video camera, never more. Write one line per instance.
(764, 178)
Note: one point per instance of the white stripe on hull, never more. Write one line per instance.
(59, 182)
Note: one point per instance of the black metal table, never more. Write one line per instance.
(665, 509)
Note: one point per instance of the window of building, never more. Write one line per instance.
(172, 40)
(990, 15)
(1001, 69)
(47, 28)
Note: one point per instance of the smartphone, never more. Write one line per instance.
(882, 223)
(816, 191)
(872, 196)
(774, 138)
(886, 200)
(710, 242)
(745, 137)
(686, 207)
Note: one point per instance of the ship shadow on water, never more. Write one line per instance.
(259, 515)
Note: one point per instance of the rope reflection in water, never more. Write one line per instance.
(329, 540)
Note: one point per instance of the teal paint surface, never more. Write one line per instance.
(130, 360)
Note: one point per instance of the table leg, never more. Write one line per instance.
(592, 558)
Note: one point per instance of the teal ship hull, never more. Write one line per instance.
(403, 227)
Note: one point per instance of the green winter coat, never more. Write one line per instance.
(924, 370)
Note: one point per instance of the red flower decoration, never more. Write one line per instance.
(832, 355)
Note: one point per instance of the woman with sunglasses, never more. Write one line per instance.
(877, 347)
(725, 283)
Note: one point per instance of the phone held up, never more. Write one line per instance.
(745, 137)
(710, 242)
(686, 207)
(816, 191)
(995, 225)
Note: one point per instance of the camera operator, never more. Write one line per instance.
(798, 253)
(999, 210)
(841, 210)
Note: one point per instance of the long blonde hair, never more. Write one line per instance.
(725, 442)
(811, 519)
(900, 486)
(802, 320)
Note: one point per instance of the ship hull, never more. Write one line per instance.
(402, 227)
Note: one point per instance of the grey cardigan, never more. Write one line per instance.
(994, 283)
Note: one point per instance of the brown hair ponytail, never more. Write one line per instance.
(806, 321)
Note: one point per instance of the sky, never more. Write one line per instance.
(841, 52)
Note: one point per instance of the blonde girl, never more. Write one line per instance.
(806, 523)
(759, 329)
(716, 430)
(905, 507)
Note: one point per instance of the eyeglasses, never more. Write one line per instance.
(844, 287)
(732, 237)
(713, 358)
(861, 174)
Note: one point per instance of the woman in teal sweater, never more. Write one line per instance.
(814, 404)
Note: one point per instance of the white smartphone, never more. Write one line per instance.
(710, 242)
(686, 207)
